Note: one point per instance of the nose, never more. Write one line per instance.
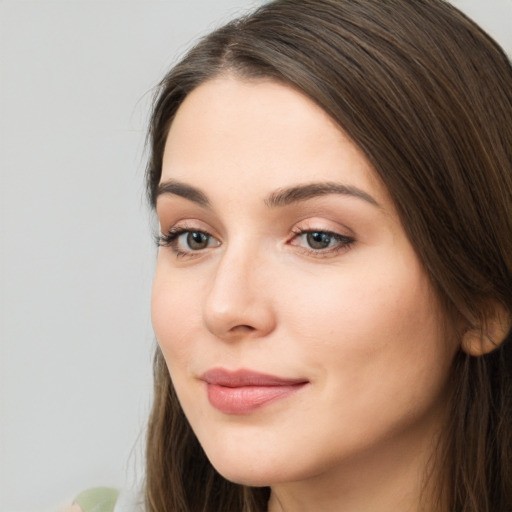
(239, 302)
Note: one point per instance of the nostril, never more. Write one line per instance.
(227, 313)
(243, 328)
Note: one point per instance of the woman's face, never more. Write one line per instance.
(300, 330)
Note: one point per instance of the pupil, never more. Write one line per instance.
(318, 240)
(197, 240)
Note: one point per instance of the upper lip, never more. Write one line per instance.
(241, 378)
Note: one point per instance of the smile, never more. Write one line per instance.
(244, 391)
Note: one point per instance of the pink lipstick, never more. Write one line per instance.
(243, 391)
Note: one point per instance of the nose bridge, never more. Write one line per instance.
(238, 300)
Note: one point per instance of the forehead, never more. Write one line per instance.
(261, 135)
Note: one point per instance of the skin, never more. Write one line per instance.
(359, 321)
(72, 508)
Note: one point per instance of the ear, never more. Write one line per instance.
(480, 340)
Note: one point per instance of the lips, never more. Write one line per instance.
(243, 391)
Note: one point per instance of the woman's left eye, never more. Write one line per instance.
(317, 241)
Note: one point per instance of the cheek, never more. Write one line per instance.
(174, 310)
(376, 349)
(174, 318)
(371, 321)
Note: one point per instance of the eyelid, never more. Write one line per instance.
(342, 238)
(170, 238)
(343, 244)
(167, 225)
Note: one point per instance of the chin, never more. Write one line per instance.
(254, 470)
(250, 476)
(250, 480)
(242, 471)
(261, 468)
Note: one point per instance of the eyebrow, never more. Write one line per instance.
(286, 196)
(277, 199)
(180, 189)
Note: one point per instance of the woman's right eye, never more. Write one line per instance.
(186, 241)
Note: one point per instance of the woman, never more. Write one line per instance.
(332, 180)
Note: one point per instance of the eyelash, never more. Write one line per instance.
(343, 242)
(170, 239)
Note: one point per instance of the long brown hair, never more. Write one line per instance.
(427, 96)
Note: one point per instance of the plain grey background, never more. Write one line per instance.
(76, 248)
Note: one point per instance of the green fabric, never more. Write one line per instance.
(99, 499)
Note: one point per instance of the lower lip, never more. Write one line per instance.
(246, 399)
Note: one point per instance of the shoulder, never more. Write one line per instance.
(98, 499)
(72, 508)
